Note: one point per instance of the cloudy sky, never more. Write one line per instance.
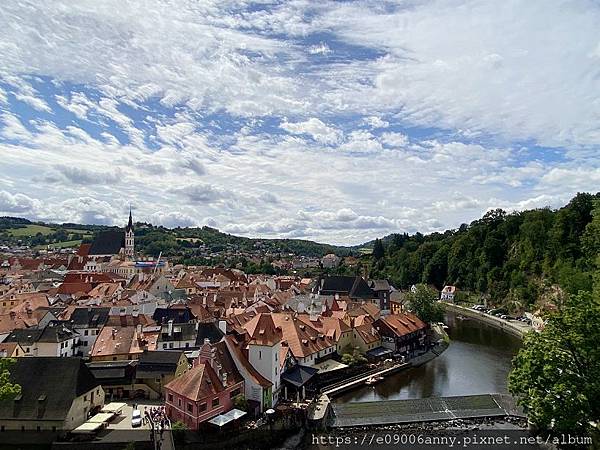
(338, 121)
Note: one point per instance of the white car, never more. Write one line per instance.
(136, 418)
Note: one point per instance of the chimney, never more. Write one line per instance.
(170, 327)
(114, 333)
(206, 341)
(223, 326)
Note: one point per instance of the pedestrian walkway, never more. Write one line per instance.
(360, 379)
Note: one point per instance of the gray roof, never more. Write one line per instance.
(108, 243)
(48, 387)
(89, 317)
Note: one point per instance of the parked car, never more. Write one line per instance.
(136, 418)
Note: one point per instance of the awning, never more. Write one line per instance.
(235, 414)
(87, 428)
(220, 420)
(329, 365)
(101, 418)
(379, 352)
(299, 375)
(113, 407)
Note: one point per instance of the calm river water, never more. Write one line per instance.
(477, 362)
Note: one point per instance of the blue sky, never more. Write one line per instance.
(337, 121)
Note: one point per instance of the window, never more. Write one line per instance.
(170, 397)
(85, 333)
(202, 407)
(234, 393)
(171, 345)
(179, 401)
(190, 407)
(215, 402)
(259, 354)
(164, 345)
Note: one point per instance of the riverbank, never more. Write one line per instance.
(515, 328)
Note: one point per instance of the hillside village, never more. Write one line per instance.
(196, 341)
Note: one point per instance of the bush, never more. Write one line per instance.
(178, 429)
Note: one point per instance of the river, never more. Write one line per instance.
(477, 362)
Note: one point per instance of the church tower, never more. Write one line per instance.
(129, 237)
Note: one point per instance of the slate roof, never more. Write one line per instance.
(89, 317)
(26, 337)
(177, 315)
(208, 330)
(108, 243)
(354, 287)
(48, 387)
(113, 373)
(156, 363)
(180, 332)
(57, 331)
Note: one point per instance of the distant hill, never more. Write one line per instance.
(151, 240)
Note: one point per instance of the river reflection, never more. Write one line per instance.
(477, 362)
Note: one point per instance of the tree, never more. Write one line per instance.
(178, 429)
(240, 402)
(424, 303)
(556, 374)
(378, 250)
(8, 389)
(354, 358)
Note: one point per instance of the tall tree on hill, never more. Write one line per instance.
(556, 374)
(378, 250)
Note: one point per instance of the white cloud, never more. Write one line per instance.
(361, 141)
(34, 102)
(376, 122)
(394, 139)
(189, 91)
(315, 128)
(320, 49)
(17, 204)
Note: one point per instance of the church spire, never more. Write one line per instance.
(130, 223)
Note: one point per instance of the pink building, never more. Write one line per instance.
(206, 390)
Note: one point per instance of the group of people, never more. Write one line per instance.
(155, 415)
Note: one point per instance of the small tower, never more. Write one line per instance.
(129, 237)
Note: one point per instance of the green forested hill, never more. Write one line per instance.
(151, 240)
(510, 257)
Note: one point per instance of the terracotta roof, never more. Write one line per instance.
(403, 324)
(302, 338)
(238, 355)
(367, 333)
(197, 383)
(263, 331)
(84, 250)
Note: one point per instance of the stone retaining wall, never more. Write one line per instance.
(518, 330)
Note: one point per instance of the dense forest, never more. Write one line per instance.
(511, 258)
